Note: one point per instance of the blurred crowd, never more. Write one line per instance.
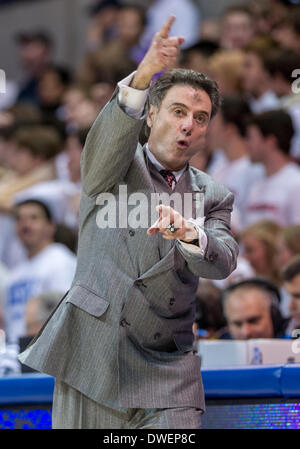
(252, 50)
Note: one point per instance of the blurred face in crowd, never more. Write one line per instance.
(130, 26)
(22, 161)
(34, 55)
(178, 127)
(248, 314)
(293, 288)
(284, 254)
(256, 144)
(237, 30)
(255, 252)
(253, 74)
(74, 150)
(50, 88)
(217, 132)
(33, 227)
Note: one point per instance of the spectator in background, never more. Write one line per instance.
(227, 131)
(237, 27)
(288, 245)
(32, 150)
(36, 53)
(79, 109)
(120, 55)
(52, 86)
(287, 31)
(259, 243)
(282, 65)
(256, 80)
(226, 68)
(275, 196)
(3, 280)
(103, 24)
(209, 320)
(198, 55)
(38, 309)
(251, 311)
(62, 196)
(291, 279)
(50, 266)
(32, 160)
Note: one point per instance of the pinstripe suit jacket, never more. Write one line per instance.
(122, 335)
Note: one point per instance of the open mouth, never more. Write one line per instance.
(182, 144)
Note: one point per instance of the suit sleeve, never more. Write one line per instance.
(219, 259)
(109, 148)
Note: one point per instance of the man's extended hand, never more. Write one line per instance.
(185, 230)
(162, 55)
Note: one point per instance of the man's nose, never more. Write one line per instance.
(188, 124)
(246, 331)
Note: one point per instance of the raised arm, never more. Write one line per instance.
(113, 138)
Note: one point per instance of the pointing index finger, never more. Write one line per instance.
(165, 29)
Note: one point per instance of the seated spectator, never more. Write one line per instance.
(227, 131)
(237, 27)
(251, 311)
(281, 65)
(198, 55)
(62, 196)
(225, 67)
(120, 56)
(259, 247)
(103, 23)
(255, 78)
(287, 31)
(38, 309)
(291, 279)
(52, 85)
(50, 266)
(3, 280)
(275, 196)
(209, 311)
(36, 54)
(79, 110)
(31, 159)
(288, 245)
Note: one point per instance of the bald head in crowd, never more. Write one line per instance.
(248, 311)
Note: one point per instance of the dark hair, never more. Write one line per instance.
(235, 110)
(185, 77)
(261, 46)
(283, 62)
(292, 269)
(39, 203)
(277, 123)
(42, 141)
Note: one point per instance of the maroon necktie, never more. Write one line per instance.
(169, 177)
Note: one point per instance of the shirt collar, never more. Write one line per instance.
(159, 167)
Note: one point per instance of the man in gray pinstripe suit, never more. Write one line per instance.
(120, 343)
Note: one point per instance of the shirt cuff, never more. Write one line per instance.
(131, 100)
(202, 237)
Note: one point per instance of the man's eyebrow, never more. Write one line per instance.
(202, 111)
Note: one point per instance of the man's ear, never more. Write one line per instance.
(150, 115)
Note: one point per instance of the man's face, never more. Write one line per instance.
(256, 144)
(33, 227)
(248, 315)
(253, 73)
(179, 126)
(237, 30)
(293, 288)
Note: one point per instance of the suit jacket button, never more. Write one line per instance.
(157, 336)
(131, 233)
(124, 323)
(171, 302)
